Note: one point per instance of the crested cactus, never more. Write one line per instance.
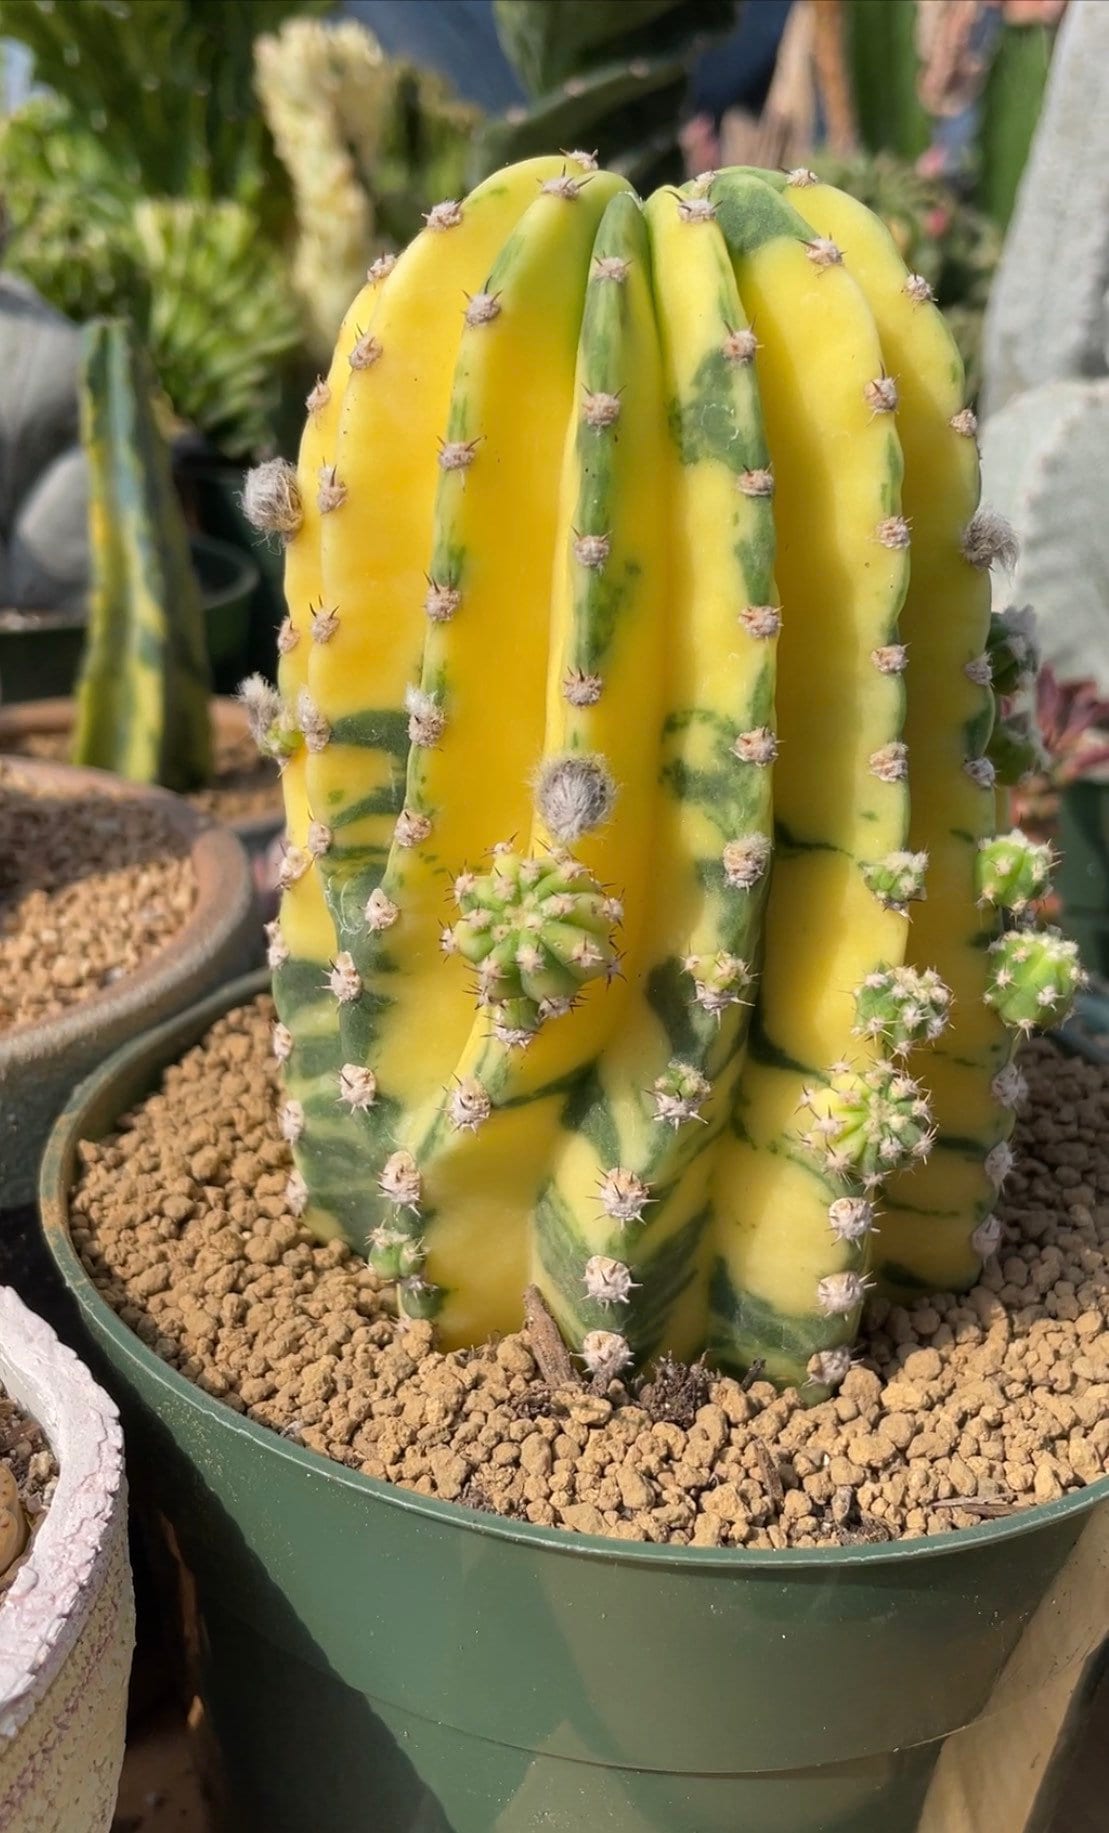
(646, 931)
(142, 700)
(362, 137)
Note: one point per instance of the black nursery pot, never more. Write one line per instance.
(40, 653)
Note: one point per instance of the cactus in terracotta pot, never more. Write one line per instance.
(634, 692)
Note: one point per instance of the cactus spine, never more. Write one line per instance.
(142, 704)
(534, 719)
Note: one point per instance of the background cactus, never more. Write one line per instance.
(535, 715)
(890, 46)
(1046, 321)
(142, 701)
(1045, 442)
(175, 217)
(364, 138)
(608, 73)
(166, 85)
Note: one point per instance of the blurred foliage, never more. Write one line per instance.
(179, 75)
(603, 75)
(145, 186)
(1006, 92)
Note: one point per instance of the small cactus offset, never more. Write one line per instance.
(142, 699)
(650, 930)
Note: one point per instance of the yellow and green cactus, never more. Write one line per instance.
(142, 699)
(633, 694)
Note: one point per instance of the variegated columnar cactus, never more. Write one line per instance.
(634, 692)
(142, 699)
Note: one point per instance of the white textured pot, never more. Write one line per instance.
(67, 1622)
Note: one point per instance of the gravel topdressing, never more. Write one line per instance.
(28, 1475)
(963, 1408)
(244, 786)
(90, 888)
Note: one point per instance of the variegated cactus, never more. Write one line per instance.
(634, 690)
(143, 693)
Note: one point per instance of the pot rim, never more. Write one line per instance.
(224, 888)
(59, 712)
(44, 1609)
(243, 579)
(54, 1187)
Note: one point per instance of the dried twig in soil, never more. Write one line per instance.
(550, 1352)
(771, 1475)
(975, 1505)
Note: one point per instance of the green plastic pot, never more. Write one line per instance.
(373, 1661)
(41, 659)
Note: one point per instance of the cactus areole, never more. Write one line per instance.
(652, 928)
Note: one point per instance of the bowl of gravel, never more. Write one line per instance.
(66, 1610)
(118, 906)
(244, 792)
(454, 1590)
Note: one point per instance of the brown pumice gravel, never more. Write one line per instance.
(962, 1409)
(244, 786)
(90, 888)
(28, 1475)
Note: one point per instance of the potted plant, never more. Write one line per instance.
(229, 215)
(66, 1611)
(576, 464)
(144, 707)
(44, 571)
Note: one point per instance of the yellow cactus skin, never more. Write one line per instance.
(302, 941)
(648, 1118)
(333, 642)
(390, 782)
(931, 1213)
(605, 620)
(837, 472)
